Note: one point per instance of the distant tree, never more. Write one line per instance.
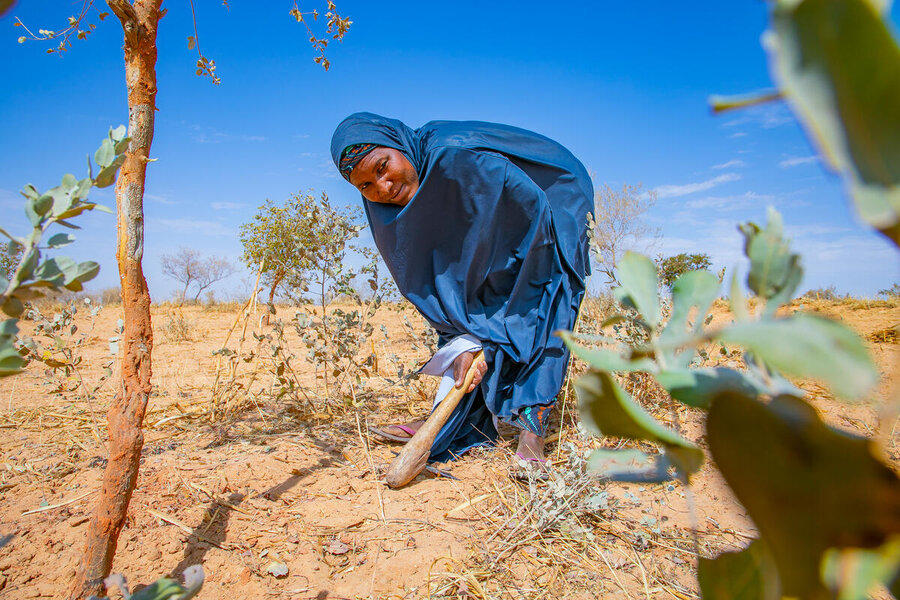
(274, 240)
(213, 269)
(891, 292)
(618, 225)
(190, 267)
(671, 267)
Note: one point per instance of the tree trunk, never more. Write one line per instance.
(271, 305)
(126, 415)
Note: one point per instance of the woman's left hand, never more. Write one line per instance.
(461, 367)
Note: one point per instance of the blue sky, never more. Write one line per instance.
(623, 85)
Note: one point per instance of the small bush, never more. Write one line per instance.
(177, 329)
(892, 292)
(829, 293)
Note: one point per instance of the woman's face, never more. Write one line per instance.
(385, 176)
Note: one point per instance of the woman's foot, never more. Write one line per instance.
(531, 447)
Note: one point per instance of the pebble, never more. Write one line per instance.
(78, 520)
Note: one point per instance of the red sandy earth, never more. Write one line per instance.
(302, 491)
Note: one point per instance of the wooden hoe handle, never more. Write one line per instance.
(414, 455)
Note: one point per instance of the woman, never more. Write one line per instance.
(484, 229)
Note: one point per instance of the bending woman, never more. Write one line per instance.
(484, 229)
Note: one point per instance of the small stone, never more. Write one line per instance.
(78, 520)
(337, 547)
(277, 569)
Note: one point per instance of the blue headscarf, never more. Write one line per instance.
(493, 244)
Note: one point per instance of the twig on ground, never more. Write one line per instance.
(60, 505)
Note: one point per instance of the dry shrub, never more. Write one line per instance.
(888, 335)
(594, 311)
(176, 328)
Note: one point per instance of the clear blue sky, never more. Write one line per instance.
(623, 85)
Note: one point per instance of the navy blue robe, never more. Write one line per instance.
(493, 244)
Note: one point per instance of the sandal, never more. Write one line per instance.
(394, 438)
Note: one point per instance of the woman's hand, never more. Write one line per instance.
(461, 367)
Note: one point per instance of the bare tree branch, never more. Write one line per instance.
(618, 225)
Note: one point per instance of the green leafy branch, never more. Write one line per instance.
(161, 589)
(816, 495)
(35, 276)
(837, 64)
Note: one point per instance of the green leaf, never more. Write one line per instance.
(74, 211)
(638, 277)
(11, 362)
(9, 327)
(807, 487)
(736, 300)
(13, 307)
(33, 216)
(806, 345)
(30, 291)
(118, 134)
(838, 65)
(607, 409)
(60, 240)
(856, 572)
(83, 189)
(697, 387)
(13, 247)
(82, 272)
(604, 359)
(53, 270)
(30, 192)
(42, 205)
(632, 466)
(67, 224)
(105, 154)
(746, 575)
(31, 261)
(693, 289)
(161, 589)
(107, 176)
(775, 272)
(613, 320)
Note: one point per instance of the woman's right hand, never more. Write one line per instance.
(461, 367)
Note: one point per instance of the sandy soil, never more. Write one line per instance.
(276, 483)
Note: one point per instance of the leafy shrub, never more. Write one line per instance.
(35, 276)
(775, 453)
(829, 293)
(671, 267)
(176, 328)
(161, 589)
(891, 292)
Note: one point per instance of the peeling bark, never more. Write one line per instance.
(126, 415)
